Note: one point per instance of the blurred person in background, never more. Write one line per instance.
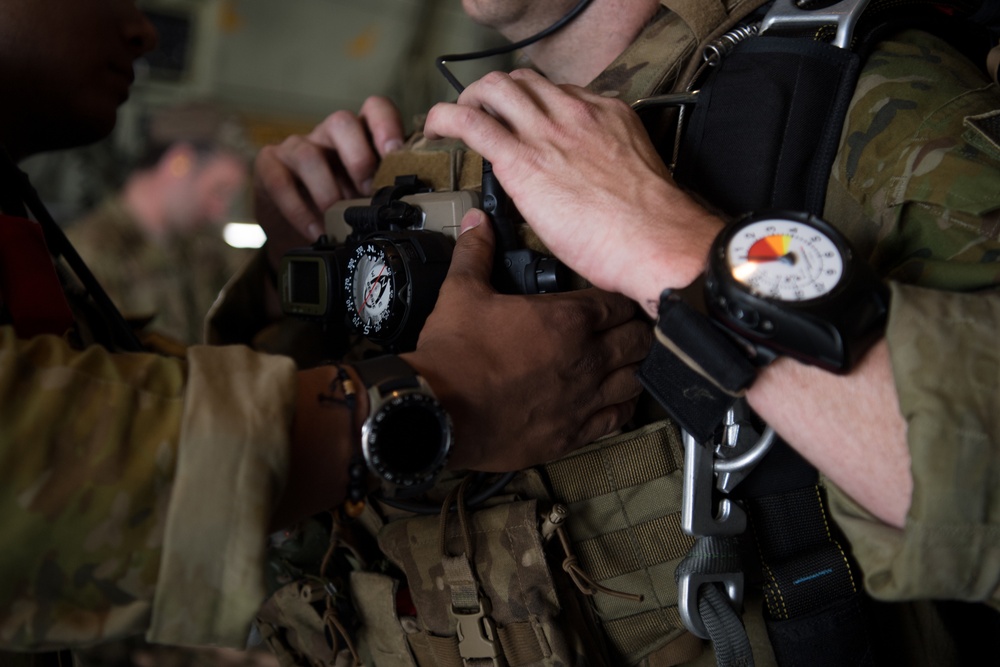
(156, 245)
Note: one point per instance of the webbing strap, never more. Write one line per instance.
(462, 583)
(616, 463)
(806, 567)
(626, 533)
(815, 606)
(731, 643)
(432, 651)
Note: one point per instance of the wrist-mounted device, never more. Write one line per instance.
(777, 283)
(407, 436)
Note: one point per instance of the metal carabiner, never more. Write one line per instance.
(712, 561)
(705, 470)
(843, 14)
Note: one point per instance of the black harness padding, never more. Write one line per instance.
(767, 124)
(763, 135)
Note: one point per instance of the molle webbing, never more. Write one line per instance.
(623, 496)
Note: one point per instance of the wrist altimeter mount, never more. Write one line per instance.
(777, 283)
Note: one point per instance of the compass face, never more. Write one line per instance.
(786, 260)
(370, 288)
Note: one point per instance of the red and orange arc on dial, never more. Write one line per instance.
(770, 248)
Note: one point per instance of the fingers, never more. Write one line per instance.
(305, 175)
(472, 260)
(384, 122)
(627, 344)
(483, 133)
(286, 194)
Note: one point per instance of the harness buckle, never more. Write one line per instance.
(477, 634)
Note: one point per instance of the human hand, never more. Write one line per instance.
(296, 181)
(526, 379)
(581, 170)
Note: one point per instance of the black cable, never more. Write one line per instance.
(501, 50)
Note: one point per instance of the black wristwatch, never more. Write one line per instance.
(790, 284)
(407, 436)
(777, 283)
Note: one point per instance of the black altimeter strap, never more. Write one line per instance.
(694, 369)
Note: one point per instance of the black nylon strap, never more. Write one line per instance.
(815, 605)
(698, 381)
(766, 127)
(763, 135)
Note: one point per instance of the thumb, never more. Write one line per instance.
(473, 255)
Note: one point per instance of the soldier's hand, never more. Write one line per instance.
(526, 378)
(584, 174)
(300, 178)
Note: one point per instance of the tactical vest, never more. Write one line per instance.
(570, 563)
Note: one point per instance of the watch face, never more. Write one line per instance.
(370, 287)
(408, 439)
(785, 260)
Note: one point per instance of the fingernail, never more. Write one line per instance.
(315, 231)
(366, 187)
(472, 221)
(392, 145)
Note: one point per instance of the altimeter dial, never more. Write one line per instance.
(786, 260)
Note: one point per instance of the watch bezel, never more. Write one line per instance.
(374, 449)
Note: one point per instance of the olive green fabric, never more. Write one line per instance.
(917, 188)
(144, 482)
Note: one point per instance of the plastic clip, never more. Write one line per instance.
(477, 635)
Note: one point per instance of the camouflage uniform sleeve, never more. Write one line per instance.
(135, 489)
(917, 187)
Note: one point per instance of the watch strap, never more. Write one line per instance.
(694, 370)
(386, 373)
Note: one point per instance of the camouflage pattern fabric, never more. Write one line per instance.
(147, 484)
(892, 209)
(917, 188)
(86, 482)
(173, 280)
